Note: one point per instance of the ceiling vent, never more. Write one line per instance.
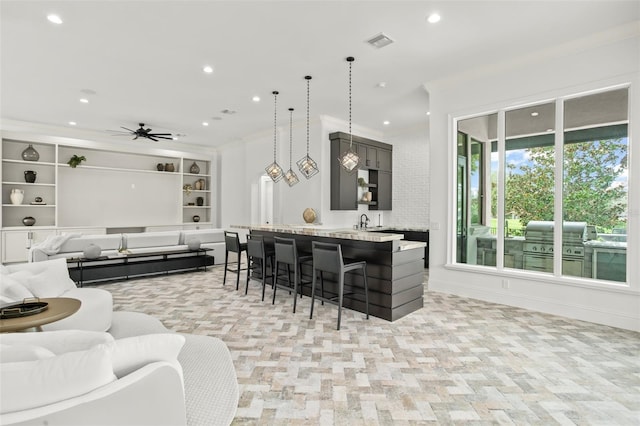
(379, 41)
(228, 111)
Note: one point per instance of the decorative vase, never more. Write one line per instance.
(160, 167)
(17, 195)
(309, 215)
(194, 169)
(38, 199)
(193, 244)
(200, 201)
(196, 218)
(30, 154)
(169, 167)
(92, 251)
(30, 176)
(28, 221)
(202, 184)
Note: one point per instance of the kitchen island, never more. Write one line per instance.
(395, 267)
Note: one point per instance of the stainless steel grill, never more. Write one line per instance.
(538, 246)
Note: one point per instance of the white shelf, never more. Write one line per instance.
(196, 207)
(197, 175)
(29, 205)
(36, 163)
(29, 184)
(119, 169)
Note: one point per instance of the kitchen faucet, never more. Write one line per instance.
(364, 222)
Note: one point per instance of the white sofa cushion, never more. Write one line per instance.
(59, 342)
(31, 384)
(19, 353)
(132, 353)
(12, 290)
(204, 235)
(43, 279)
(152, 239)
(95, 312)
(78, 244)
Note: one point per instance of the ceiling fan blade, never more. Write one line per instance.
(152, 138)
(133, 131)
(160, 134)
(135, 138)
(163, 137)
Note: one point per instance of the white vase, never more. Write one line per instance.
(17, 195)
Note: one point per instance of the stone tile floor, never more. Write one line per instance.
(456, 361)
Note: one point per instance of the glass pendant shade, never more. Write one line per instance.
(274, 170)
(290, 176)
(349, 160)
(306, 165)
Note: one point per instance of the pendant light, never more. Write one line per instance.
(306, 165)
(290, 177)
(274, 170)
(349, 160)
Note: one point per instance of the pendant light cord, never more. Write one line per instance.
(290, 136)
(350, 60)
(275, 122)
(308, 78)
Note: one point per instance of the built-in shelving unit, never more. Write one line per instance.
(112, 188)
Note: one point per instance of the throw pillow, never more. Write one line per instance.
(193, 244)
(38, 383)
(59, 342)
(12, 290)
(132, 353)
(17, 353)
(51, 280)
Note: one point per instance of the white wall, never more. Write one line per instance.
(603, 60)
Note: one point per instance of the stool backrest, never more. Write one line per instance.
(327, 257)
(286, 250)
(232, 241)
(255, 246)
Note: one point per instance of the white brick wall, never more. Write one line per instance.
(411, 179)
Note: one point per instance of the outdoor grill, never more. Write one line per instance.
(538, 247)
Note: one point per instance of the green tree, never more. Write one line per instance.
(590, 195)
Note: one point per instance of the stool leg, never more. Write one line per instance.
(366, 290)
(340, 293)
(249, 269)
(313, 292)
(238, 271)
(264, 275)
(275, 282)
(295, 287)
(226, 265)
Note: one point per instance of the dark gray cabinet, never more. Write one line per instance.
(344, 186)
(376, 157)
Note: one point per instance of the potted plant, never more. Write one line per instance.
(187, 188)
(76, 160)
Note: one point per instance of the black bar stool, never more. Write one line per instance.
(327, 257)
(287, 255)
(257, 257)
(233, 245)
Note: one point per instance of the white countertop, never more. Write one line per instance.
(314, 230)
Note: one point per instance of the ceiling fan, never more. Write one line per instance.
(145, 133)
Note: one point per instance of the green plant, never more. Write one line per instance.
(76, 160)
(187, 188)
(362, 182)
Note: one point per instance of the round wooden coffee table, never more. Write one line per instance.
(58, 308)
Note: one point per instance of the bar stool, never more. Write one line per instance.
(257, 257)
(327, 257)
(287, 255)
(232, 244)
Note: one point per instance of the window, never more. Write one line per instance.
(537, 177)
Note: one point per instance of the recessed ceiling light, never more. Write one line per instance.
(205, 124)
(84, 100)
(386, 122)
(256, 99)
(208, 69)
(535, 113)
(382, 84)
(54, 18)
(72, 123)
(428, 112)
(433, 18)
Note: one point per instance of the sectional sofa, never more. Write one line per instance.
(73, 245)
(124, 369)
